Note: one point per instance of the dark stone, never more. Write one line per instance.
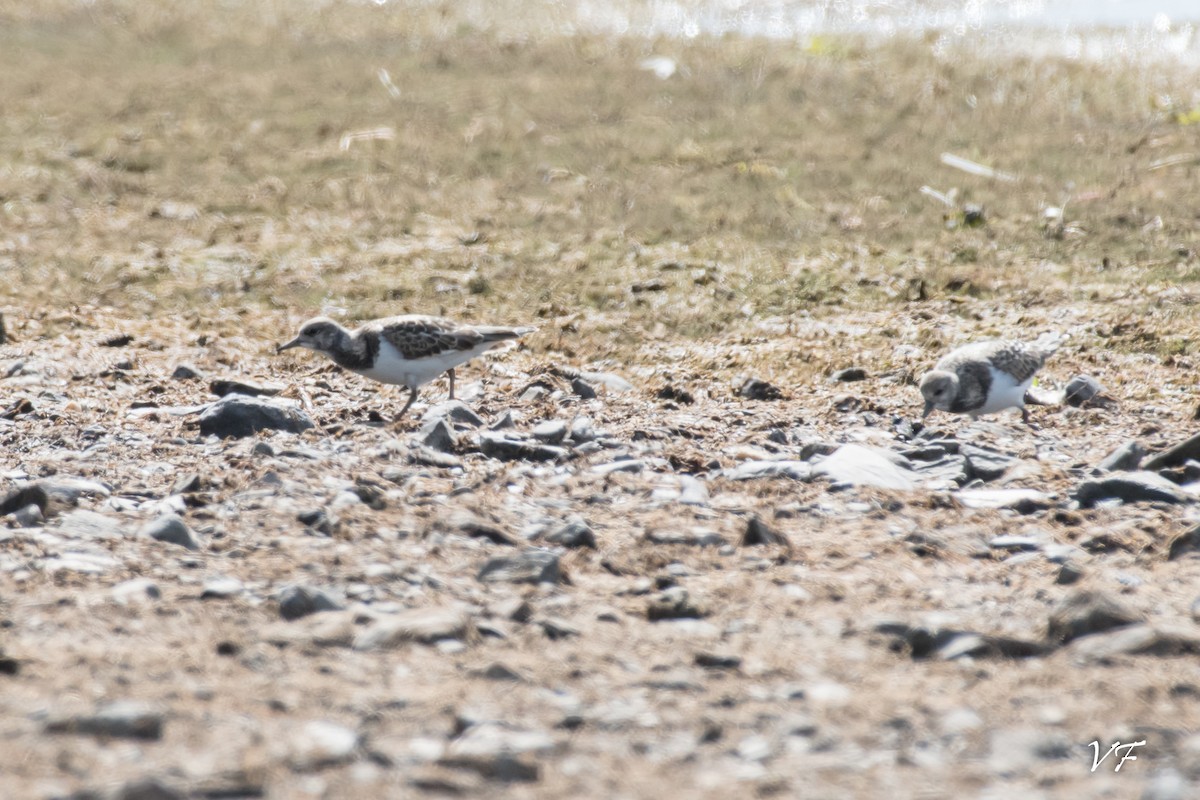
(456, 411)
(1068, 573)
(119, 720)
(759, 533)
(500, 767)
(477, 527)
(1082, 389)
(239, 416)
(923, 641)
(120, 340)
(717, 660)
(755, 389)
(849, 375)
(573, 533)
(186, 372)
(552, 431)
(227, 386)
(1126, 458)
(675, 394)
(528, 566)
(316, 519)
(582, 388)
(188, 483)
(1188, 449)
(300, 601)
(1130, 487)
(1086, 612)
(148, 789)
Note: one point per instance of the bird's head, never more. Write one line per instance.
(320, 333)
(939, 388)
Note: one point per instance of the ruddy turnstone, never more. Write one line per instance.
(986, 377)
(407, 351)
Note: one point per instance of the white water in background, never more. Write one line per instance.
(1099, 30)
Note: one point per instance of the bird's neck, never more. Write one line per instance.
(353, 350)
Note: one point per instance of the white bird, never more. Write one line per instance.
(407, 351)
(986, 377)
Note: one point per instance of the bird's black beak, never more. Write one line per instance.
(928, 410)
(293, 343)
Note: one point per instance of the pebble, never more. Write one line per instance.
(299, 601)
(582, 388)
(1023, 501)
(504, 448)
(856, 465)
(456, 411)
(240, 416)
(623, 465)
(1126, 458)
(437, 436)
(1068, 574)
(534, 565)
(123, 719)
(753, 470)
(421, 625)
(717, 660)
(1081, 390)
(848, 375)
(186, 372)
(135, 590)
(228, 386)
(986, 465)
(1188, 449)
(221, 588)
(1130, 487)
(583, 430)
(319, 743)
(1086, 612)
(757, 389)
(148, 789)
(170, 528)
(502, 767)
(572, 534)
(551, 431)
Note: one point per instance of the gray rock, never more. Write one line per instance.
(622, 465)
(504, 448)
(1083, 613)
(848, 375)
(300, 601)
(1185, 450)
(170, 528)
(986, 465)
(436, 435)
(239, 416)
(477, 527)
(1130, 487)
(1185, 544)
(857, 465)
(556, 628)
(710, 660)
(611, 382)
(1068, 573)
(1081, 389)
(225, 387)
(319, 743)
(421, 625)
(552, 431)
(753, 470)
(534, 565)
(427, 457)
(1024, 501)
(573, 533)
(582, 430)
(123, 719)
(692, 538)
(674, 603)
(1012, 542)
(456, 411)
(1126, 458)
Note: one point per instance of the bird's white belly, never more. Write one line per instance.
(391, 367)
(1005, 392)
